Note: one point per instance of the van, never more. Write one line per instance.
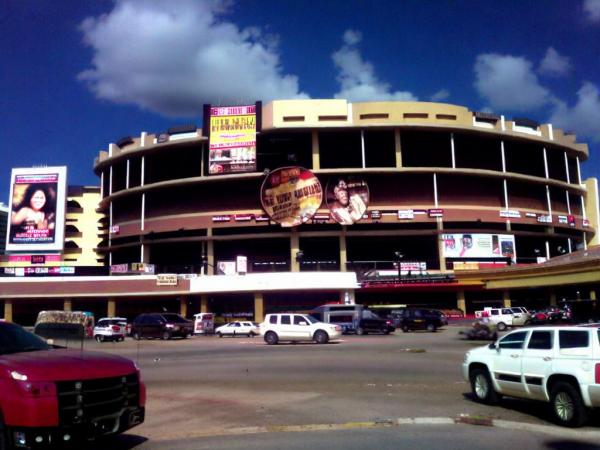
(51, 324)
(204, 323)
(353, 319)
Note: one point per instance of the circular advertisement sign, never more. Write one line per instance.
(347, 199)
(291, 195)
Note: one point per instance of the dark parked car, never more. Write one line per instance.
(371, 322)
(420, 319)
(161, 325)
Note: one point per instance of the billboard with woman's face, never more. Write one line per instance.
(347, 199)
(291, 195)
(37, 209)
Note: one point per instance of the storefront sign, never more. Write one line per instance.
(347, 199)
(221, 218)
(562, 219)
(544, 219)
(166, 279)
(375, 215)
(530, 214)
(586, 223)
(115, 229)
(435, 212)
(291, 195)
(512, 214)
(406, 214)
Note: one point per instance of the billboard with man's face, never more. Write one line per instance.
(479, 246)
(347, 199)
(37, 209)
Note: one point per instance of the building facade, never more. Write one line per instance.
(444, 191)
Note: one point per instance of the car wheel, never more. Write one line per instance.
(405, 328)
(136, 336)
(568, 408)
(501, 326)
(385, 331)
(527, 322)
(184, 335)
(99, 338)
(166, 336)
(321, 337)
(121, 339)
(271, 338)
(360, 331)
(220, 334)
(482, 387)
(431, 327)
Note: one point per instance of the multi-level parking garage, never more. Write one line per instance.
(447, 189)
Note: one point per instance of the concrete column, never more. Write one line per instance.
(398, 148)
(204, 303)
(8, 310)
(183, 306)
(145, 257)
(68, 304)
(111, 308)
(506, 299)
(441, 257)
(294, 247)
(210, 254)
(316, 155)
(259, 307)
(343, 254)
(592, 294)
(461, 303)
(553, 301)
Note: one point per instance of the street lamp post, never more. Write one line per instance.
(398, 257)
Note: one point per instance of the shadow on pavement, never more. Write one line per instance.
(119, 442)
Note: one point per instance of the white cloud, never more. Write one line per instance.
(172, 60)
(357, 78)
(440, 95)
(554, 64)
(584, 117)
(509, 83)
(592, 10)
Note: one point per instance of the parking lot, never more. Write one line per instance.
(207, 386)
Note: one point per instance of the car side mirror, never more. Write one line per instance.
(493, 346)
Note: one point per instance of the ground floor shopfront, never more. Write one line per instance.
(229, 306)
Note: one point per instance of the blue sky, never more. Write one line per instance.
(79, 74)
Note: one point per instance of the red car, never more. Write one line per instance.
(56, 395)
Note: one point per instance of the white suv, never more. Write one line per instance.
(297, 327)
(110, 329)
(559, 365)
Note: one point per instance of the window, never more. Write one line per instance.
(494, 312)
(513, 340)
(286, 320)
(506, 311)
(273, 319)
(541, 340)
(573, 339)
(299, 320)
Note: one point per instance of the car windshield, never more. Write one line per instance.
(174, 318)
(311, 319)
(14, 339)
(369, 315)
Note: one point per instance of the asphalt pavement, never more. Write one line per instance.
(379, 389)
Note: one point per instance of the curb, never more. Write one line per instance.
(462, 419)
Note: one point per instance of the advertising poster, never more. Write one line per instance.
(291, 195)
(479, 246)
(226, 268)
(347, 199)
(232, 139)
(37, 209)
